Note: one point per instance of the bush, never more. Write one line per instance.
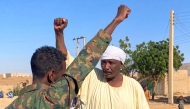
(16, 90)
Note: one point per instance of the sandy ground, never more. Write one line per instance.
(153, 104)
(160, 102)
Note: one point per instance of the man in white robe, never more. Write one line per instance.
(108, 88)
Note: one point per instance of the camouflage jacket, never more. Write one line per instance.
(60, 93)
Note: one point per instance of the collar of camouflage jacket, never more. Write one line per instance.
(33, 87)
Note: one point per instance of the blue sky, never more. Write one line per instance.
(26, 25)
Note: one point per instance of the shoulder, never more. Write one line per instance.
(20, 103)
(94, 75)
(96, 72)
(132, 82)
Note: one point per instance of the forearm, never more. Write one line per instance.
(60, 45)
(111, 27)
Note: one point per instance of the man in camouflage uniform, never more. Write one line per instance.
(51, 88)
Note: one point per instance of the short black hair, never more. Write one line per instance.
(44, 59)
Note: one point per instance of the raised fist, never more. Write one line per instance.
(60, 24)
(122, 13)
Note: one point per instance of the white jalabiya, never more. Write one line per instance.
(69, 59)
(113, 52)
(96, 93)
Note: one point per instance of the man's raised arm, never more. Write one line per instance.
(59, 25)
(92, 52)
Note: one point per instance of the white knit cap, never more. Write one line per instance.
(113, 52)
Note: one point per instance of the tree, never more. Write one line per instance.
(128, 65)
(151, 59)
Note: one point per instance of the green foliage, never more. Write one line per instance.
(16, 90)
(151, 59)
(128, 65)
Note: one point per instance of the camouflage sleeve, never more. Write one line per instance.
(88, 57)
(86, 61)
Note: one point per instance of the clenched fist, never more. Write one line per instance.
(60, 24)
(122, 13)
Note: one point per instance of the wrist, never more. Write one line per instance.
(58, 33)
(117, 20)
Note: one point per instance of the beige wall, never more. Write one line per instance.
(181, 84)
(17, 75)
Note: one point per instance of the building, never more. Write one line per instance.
(186, 66)
(181, 82)
(9, 75)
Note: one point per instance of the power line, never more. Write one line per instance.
(182, 38)
(182, 42)
(166, 30)
(183, 26)
(184, 19)
(182, 23)
(182, 35)
(180, 30)
(182, 12)
(183, 16)
(186, 22)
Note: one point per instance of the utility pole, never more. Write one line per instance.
(77, 43)
(84, 40)
(170, 69)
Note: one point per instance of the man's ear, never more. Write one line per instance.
(51, 75)
(121, 66)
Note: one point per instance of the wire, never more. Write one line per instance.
(182, 42)
(186, 22)
(182, 12)
(180, 30)
(184, 19)
(182, 35)
(186, 38)
(182, 23)
(166, 30)
(183, 16)
(184, 26)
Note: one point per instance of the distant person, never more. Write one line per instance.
(146, 92)
(1, 94)
(10, 94)
(181, 101)
(23, 84)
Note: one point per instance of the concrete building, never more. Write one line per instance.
(186, 66)
(8, 75)
(181, 82)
